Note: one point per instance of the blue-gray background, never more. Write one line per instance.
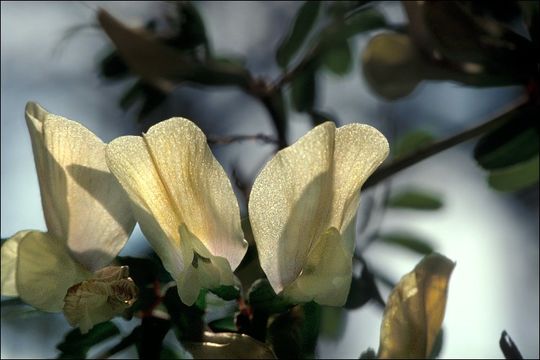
(493, 237)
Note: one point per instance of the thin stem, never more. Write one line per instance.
(225, 140)
(399, 164)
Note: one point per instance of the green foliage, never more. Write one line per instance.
(303, 23)
(412, 141)
(188, 320)
(417, 199)
(408, 241)
(303, 90)
(227, 292)
(262, 297)
(225, 324)
(363, 289)
(77, 345)
(508, 347)
(294, 334)
(515, 177)
(516, 141)
(339, 59)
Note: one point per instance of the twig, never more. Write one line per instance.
(508, 347)
(404, 162)
(225, 140)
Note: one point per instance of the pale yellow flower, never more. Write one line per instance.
(184, 203)
(87, 215)
(302, 210)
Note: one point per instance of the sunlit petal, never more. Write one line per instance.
(45, 271)
(326, 276)
(289, 204)
(415, 310)
(10, 250)
(307, 188)
(82, 202)
(108, 293)
(174, 180)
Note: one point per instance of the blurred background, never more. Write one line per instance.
(491, 235)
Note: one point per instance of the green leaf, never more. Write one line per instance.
(415, 199)
(363, 289)
(338, 59)
(333, 321)
(76, 345)
(408, 241)
(303, 90)
(113, 67)
(368, 354)
(168, 353)
(303, 23)
(319, 117)
(225, 324)
(508, 347)
(227, 292)
(262, 297)
(515, 177)
(413, 141)
(361, 21)
(188, 320)
(191, 28)
(228, 346)
(293, 334)
(517, 140)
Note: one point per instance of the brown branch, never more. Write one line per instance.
(225, 140)
(401, 163)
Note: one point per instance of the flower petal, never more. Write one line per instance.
(307, 188)
(45, 271)
(359, 150)
(82, 202)
(108, 293)
(174, 180)
(10, 251)
(288, 204)
(326, 276)
(415, 310)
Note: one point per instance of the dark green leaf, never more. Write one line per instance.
(362, 290)
(413, 141)
(230, 292)
(319, 117)
(515, 177)
(262, 297)
(517, 140)
(333, 320)
(191, 28)
(303, 90)
(361, 21)
(188, 320)
(225, 324)
(415, 199)
(228, 346)
(294, 334)
(130, 97)
(168, 353)
(338, 59)
(113, 67)
(411, 242)
(153, 330)
(76, 345)
(303, 23)
(368, 354)
(508, 347)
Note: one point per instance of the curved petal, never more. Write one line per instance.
(82, 202)
(307, 188)
(359, 150)
(45, 271)
(286, 204)
(174, 181)
(326, 276)
(10, 250)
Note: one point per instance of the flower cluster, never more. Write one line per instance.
(302, 211)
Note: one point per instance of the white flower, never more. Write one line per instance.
(87, 215)
(184, 203)
(302, 209)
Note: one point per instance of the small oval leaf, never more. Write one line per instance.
(415, 199)
(407, 241)
(303, 23)
(515, 177)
